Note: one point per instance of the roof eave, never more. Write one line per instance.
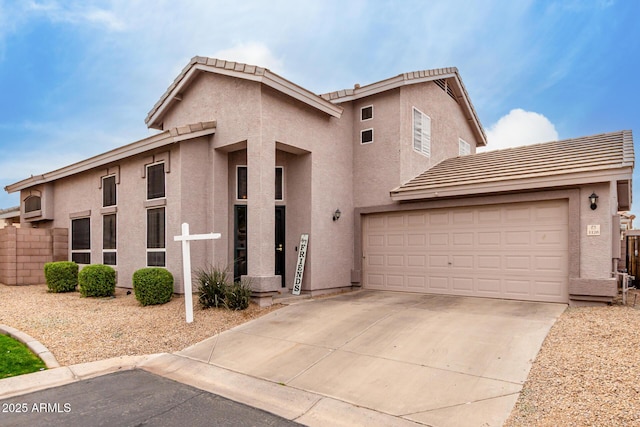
(266, 77)
(162, 139)
(515, 185)
(410, 79)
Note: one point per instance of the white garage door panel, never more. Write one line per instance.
(516, 251)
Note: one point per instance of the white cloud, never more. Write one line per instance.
(77, 15)
(253, 53)
(520, 127)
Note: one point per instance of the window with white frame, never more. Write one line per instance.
(366, 136)
(366, 113)
(464, 148)
(109, 191)
(81, 241)
(421, 132)
(156, 237)
(109, 239)
(155, 181)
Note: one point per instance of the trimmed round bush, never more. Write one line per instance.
(153, 285)
(97, 280)
(61, 276)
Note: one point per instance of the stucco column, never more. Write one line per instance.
(261, 162)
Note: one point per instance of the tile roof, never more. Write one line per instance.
(213, 62)
(481, 172)
(405, 77)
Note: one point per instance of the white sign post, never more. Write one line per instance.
(302, 256)
(186, 239)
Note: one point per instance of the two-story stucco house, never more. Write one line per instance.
(383, 178)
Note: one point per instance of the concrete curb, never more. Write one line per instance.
(34, 345)
(23, 384)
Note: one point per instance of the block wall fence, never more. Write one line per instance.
(24, 251)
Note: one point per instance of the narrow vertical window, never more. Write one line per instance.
(109, 239)
(81, 241)
(241, 182)
(156, 237)
(109, 191)
(421, 132)
(155, 181)
(279, 183)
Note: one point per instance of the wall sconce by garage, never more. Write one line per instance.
(593, 199)
(336, 215)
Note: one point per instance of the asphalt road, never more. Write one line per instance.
(130, 398)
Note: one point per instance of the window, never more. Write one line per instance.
(464, 148)
(109, 191)
(81, 241)
(366, 113)
(366, 136)
(32, 204)
(109, 239)
(155, 181)
(156, 239)
(241, 182)
(279, 183)
(240, 243)
(421, 132)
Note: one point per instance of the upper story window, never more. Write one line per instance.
(32, 204)
(366, 113)
(366, 136)
(464, 148)
(421, 132)
(109, 191)
(155, 181)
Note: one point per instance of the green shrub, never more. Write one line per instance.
(238, 295)
(61, 276)
(153, 285)
(97, 280)
(212, 283)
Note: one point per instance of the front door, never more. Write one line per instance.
(280, 258)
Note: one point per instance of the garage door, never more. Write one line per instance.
(515, 251)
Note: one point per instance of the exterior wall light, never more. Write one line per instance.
(336, 215)
(593, 199)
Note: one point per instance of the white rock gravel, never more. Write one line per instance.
(587, 372)
(78, 330)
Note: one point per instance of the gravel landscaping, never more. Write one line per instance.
(587, 372)
(78, 330)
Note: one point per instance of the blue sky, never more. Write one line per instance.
(77, 78)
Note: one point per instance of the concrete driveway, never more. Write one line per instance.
(375, 358)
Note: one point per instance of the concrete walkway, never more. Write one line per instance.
(363, 358)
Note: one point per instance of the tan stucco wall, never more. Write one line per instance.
(596, 251)
(390, 160)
